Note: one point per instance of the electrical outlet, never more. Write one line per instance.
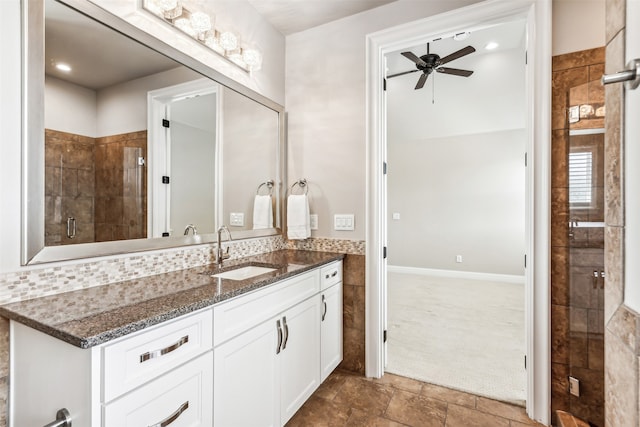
(313, 221)
(574, 386)
(458, 258)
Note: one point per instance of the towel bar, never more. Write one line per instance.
(269, 185)
(302, 183)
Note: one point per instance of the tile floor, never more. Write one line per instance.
(348, 399)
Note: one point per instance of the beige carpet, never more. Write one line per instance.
(463, 334)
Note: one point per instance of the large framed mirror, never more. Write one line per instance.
(130, 145)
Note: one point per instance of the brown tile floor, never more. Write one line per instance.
(347, 399)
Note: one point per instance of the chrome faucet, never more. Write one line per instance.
(190, 227)
(222, 255)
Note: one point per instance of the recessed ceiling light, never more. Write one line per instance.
(63, 67)
(491, 45)
(461, 36)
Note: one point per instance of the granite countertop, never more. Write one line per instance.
(95, 315)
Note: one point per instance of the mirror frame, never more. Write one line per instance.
(33, 249)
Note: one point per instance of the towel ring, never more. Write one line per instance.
(269, 185)
(302, 183)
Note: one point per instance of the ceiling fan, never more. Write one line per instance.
(431, 61)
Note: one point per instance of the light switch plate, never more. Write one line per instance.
(344, 222)
(574, 386)
(313, 221)
(236, 219)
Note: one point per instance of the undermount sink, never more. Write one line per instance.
(243, 273)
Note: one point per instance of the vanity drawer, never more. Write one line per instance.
(233, 317)
(331, 274)
(181, 397)
(137, 359)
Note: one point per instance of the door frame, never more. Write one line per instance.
(538, 147)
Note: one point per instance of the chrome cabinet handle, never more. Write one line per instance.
(63, 419)
(334, 274)
(630, 76)
(157, 353)
(71, 227)
(171, 418)
(324, 313)
(279, 337)
(286, 332)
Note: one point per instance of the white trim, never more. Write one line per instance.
(455, 274)
(538, 75)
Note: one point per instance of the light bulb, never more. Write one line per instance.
(228, 40)
(200, 22)
(167, 5)
(183, 24)
(253, 58)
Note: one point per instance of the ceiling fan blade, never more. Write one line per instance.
(403, 73)
(413, 57)
(422, 80)
(458, 54)
(454, 71)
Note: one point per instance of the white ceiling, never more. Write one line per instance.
(292, 16)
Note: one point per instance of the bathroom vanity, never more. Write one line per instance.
(181, 348)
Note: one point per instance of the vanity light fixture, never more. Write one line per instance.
(200, 26)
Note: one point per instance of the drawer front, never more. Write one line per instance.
(180, 398)
(137, 359)
(331, 274)
(236, 316)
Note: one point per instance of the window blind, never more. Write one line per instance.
(580, 177)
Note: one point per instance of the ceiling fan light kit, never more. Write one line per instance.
(433, 62)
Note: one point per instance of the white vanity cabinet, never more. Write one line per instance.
(331, 318)
(146, 378)
(268, 366)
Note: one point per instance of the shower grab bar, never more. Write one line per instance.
(269, 185)
(71, 227)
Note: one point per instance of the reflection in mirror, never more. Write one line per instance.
(129, 153)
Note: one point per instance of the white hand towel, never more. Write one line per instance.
(298, 222)
(262, 212)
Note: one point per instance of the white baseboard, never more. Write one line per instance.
(507, 278)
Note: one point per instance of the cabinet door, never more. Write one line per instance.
(246, 384)
(331, 330)
(299, 357)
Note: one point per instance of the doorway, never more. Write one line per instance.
(537, 105)
(456, 211)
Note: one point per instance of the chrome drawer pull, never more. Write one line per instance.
(157, 353)
(171, 418)
(279, 337)
(324, 313)
(286, 332)
(334, 274)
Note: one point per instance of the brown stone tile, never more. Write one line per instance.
(560, 216)
(560, 386)
(621, 383)
(501, 409)
(581, 58)
(615, 18)
(353, 350)
(354, 270)
(415, 410)
(332, 385)
(596, 354)
(4, 392)
(559, 334)
(562, 81)
(362, 394)
(614, 213)
(347, 306)
(578, 351)
(449, 395)
(4, 347)
(403, 383)
(361, 418)
(624, 324)
(614, 265)
(320, 412)
(560, 275)
(459, 416)
(559, 158)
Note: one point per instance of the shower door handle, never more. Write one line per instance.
(630, 76)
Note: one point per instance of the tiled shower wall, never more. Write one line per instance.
(622, 345)
(577, 345)
(99, 182)
(47, 280)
